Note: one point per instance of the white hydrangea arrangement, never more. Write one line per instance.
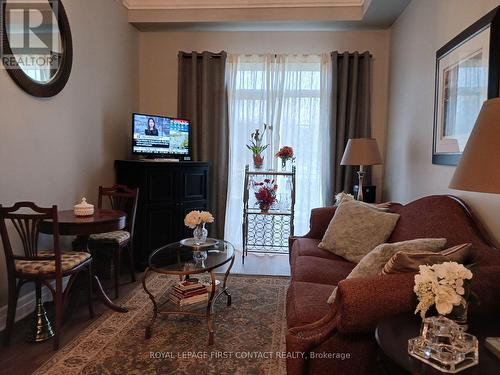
(442, 285)
(195, 218)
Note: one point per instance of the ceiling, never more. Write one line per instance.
(239, 4)
(262, 15)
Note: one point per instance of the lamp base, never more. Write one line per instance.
(369, 193)
(361, 176)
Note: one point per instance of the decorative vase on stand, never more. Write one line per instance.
(258, 161)
(200, 234)
(283, 164)
(264, 207)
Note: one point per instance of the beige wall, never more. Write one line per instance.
(424, 27)
(54, 151)
(158, 62)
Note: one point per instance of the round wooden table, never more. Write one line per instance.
(102, 221)
(393, 333)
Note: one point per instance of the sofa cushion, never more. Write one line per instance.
(356, 229)
(306, 303)
(309, 247)
(320, 270)
(373, 263)
(403, 261)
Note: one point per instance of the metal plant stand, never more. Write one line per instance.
(268, 232)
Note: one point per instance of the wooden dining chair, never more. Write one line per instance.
(39, 266)
(121, 198)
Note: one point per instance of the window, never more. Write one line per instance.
(291, 95)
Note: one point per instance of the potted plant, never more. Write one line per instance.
(285, 153)
(266, 194)
(257, 147)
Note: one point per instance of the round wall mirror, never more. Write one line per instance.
(37, 45)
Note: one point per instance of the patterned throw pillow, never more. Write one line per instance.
(403, 262)
(373, 263)
(356, 229)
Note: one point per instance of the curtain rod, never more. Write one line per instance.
(361, 54)
(200, 54)
(224, 54)
(302, 54)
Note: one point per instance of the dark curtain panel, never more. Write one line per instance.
(350, 114)
(202, 99)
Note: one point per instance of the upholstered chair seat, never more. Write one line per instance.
(118, 237)
(69, 260)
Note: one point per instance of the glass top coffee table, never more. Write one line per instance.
(186, 262)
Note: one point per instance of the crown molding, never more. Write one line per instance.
(239, 4)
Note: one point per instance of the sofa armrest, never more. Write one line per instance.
(320, 218)
(303, 338)
(291, 241)
(486, 287)
(362, 302)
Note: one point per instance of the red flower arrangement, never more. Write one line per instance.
(285, 153)
(266, 193)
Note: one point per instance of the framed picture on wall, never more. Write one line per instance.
(467, 74)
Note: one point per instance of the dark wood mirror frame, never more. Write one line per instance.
(58, 82)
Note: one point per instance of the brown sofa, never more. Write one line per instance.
(330, 333)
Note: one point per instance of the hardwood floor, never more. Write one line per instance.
(262, 264)
(23, 357)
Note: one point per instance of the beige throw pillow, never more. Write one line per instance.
(373, 263)
(403, 262)
(356, 229)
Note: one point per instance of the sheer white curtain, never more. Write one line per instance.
(291, 93)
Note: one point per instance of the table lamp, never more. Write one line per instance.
(361, 151)
(479, 166)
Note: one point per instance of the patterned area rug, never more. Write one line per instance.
(249, 335)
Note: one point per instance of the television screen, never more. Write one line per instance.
(158, 135)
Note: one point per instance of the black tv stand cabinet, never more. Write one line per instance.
(167, 192)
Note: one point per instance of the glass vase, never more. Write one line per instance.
(200, 234)
(283, 164)
(459, 313)
(258, 161)
(200, 256)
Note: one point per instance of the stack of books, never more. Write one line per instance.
(188, 294)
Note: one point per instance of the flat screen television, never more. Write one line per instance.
(160, 136)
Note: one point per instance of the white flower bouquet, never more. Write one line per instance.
(442, 285)
(195, 218)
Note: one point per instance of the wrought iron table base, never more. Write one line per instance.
(210, 306)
